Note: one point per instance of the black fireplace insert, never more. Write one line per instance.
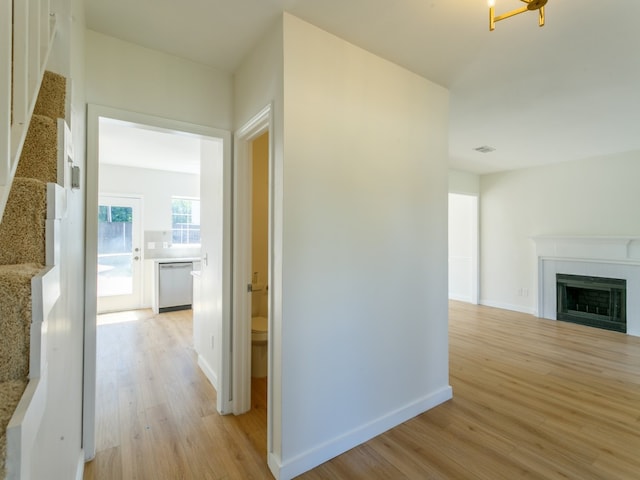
(594, 301)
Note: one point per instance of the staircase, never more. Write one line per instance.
(34, 173)
(29, 276)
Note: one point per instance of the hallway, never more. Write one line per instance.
(156, 416)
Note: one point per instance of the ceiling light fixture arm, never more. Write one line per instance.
(531, 5)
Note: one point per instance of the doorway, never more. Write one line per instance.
(463, 248)
(214, 161)
(253, 263)
(119, 258)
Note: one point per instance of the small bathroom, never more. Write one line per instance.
(259, 256)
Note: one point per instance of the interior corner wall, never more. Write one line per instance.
(597, 196)
(137, 79)
(464, 183)
(364, 301)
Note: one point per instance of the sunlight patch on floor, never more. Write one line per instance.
(122, 317)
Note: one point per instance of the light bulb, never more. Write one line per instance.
(491, 3)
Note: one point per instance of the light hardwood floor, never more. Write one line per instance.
(532, 399)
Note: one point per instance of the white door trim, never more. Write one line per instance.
(259, 124)
(94, 113)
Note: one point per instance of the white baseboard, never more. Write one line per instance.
(332, 448)
(208, 371)
(460, 298)
(80, 467)
(508, 306)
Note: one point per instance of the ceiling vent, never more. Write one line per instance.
(485, 149)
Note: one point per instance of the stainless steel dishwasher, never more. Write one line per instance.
(175, 286)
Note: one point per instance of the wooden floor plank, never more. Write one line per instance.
(533, 398)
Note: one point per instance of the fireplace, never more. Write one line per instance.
(608, 257)
(594, 301)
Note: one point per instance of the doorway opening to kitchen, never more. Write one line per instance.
(173, 179)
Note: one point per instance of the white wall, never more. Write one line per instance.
(364, 246)
(126, 76)
(359, 241)
(57, 452)
(156, 187)
(213, 304)
(597, 196)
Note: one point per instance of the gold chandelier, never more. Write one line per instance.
(530, 6)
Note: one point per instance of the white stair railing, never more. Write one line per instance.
(27, 28)
(6, 9)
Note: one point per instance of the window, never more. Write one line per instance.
(185, 221)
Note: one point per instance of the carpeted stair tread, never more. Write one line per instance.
(10, 394)
(15, 318)
(52, 96)
(22, 231)
(39, 158)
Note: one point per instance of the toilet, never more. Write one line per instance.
(259, 337)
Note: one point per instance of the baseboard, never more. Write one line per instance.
(275, 465)
(328, 450)
(208, 371)
(508, 306)
(460, 298)
(80, 466)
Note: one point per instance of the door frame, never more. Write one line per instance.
(242, 182)
(138, 265)
(94, 113)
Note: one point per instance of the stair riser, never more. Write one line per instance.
(15, 314)
(22, 232)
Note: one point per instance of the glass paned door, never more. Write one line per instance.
(119, 253)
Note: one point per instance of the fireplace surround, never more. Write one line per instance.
(606, 257)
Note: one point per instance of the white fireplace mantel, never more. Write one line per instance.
(604, 256)
(596, 248)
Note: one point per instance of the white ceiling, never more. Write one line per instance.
(132, 145)
(567, 91)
